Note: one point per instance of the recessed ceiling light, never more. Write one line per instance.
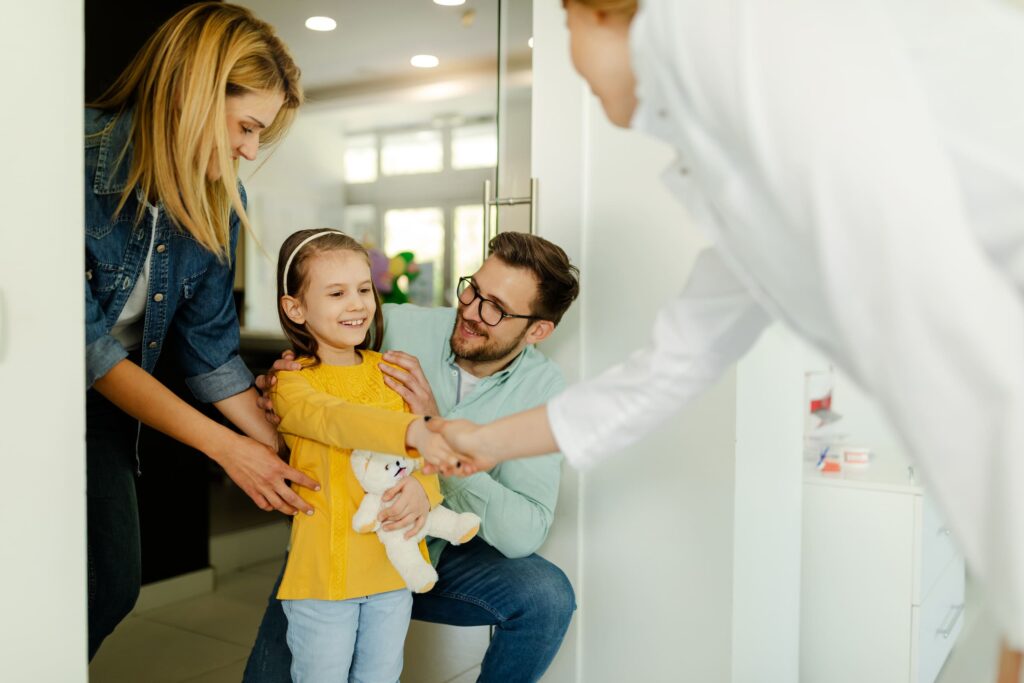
(450, 3)
(530, 42)
(424, 61)
(321, 24)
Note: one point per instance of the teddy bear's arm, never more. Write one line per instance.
(365, 519)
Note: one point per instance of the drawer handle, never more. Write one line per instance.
(956, 611)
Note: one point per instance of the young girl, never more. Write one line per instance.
(348, 609)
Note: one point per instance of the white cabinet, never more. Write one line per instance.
(882, 586)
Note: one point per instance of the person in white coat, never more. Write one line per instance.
(859, 170)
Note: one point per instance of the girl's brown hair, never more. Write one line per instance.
(176, 86)
(303, 343)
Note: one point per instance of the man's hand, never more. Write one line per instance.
(262, 475)
(409, 382)
(411, 506)
(264, 383)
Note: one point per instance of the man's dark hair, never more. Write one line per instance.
(557, 280)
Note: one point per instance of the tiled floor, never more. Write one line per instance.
(201, 640)
(207, 639)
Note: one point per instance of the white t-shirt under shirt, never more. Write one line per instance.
(129, 326)
(467, 383)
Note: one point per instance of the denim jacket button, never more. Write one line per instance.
(153, 345)
(161, 248)
(158, 297)
(88, 275)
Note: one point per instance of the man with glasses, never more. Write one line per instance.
(478, 361)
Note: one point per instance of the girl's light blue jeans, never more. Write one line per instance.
(348, 641)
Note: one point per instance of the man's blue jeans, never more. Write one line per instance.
(529, 601)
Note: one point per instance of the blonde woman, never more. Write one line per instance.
(163, 208)
(858, 168)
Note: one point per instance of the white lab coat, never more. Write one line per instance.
(859, 169)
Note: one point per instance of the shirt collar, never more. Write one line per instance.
(501, 374)
(112, 165)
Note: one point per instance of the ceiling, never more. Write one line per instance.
(375, 39)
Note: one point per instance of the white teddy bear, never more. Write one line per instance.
(378, 472)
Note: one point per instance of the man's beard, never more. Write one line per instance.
(486, 352)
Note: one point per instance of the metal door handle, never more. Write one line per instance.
(508, 201)
(957, 610)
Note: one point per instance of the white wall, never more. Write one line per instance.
(769, 487)
(299, 185)
(42, 509)
(688, 544)
(556, 148)
(656, 521)
(653, 527)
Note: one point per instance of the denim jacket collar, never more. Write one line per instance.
(111, 166)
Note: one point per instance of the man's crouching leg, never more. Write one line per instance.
(528, 600)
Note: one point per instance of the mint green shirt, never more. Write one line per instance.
(515, 500)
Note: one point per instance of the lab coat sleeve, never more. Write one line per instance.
(695, 338)
(932, 327)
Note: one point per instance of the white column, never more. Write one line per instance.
(42, 453)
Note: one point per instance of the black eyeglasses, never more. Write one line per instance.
(490, 312)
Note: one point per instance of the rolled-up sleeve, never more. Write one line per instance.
(102, 351)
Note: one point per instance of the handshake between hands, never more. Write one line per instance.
(448, 447)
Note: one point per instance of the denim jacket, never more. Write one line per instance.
(189, 304)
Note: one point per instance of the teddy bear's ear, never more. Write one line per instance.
(360, 461)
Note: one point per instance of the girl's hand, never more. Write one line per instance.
(264, 383)
(437, 455)
(465, 439)
(262, 475)
(409, 382)
(411, 506)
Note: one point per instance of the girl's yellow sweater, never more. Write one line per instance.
(326, 411)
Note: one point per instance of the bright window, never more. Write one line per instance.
(475, 146)
(361, 159)
(416, 152)
(360, 221)
(420, 231)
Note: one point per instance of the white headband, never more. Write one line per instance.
(296, 250)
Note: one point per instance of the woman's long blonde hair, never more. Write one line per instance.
(176, 87)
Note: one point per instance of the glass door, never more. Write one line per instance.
(411, 107)
(515, 88)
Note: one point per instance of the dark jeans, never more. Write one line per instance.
(529, 601)
(114, 559)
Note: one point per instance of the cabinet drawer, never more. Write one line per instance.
(937, 549)
(938, 622)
